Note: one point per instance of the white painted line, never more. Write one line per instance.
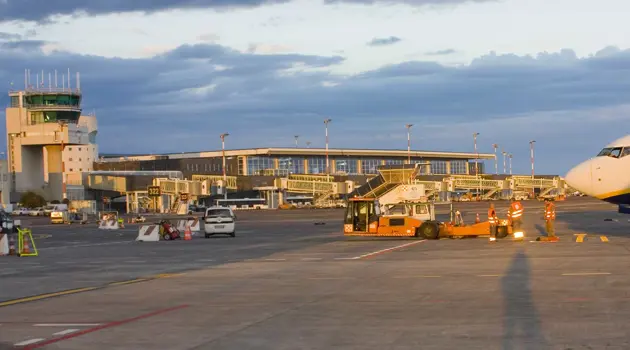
(345, 258)
(204, 260)
(67, 331)
(489, 275)
(85, 245)
(66, 324)
(311, 259)
(585, 273)
(29, 342)
(275, 259)
(387, 250)
(134, 261)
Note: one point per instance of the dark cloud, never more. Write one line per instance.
(10, 36)
(25, 45)
(570, 105)
(441, 52)
(44, 10)
(384, 41)
(38, 10)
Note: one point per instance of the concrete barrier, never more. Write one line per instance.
(148, 233)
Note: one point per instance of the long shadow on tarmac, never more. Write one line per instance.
(520, 313)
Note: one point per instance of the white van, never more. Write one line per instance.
(219, 220)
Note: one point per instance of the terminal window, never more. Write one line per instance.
(370, 166)
(348, 166)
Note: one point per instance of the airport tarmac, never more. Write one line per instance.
(285, 283)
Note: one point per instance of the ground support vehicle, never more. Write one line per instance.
(365, 217)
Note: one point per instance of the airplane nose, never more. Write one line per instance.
(580, 178)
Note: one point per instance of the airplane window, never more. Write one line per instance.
(626, 151)
(616, 152)
(604, 152)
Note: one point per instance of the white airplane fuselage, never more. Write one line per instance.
(606, 176)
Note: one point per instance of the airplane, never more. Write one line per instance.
(605, 176)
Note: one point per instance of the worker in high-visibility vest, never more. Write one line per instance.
(493, 220)
(550, 218)
(515, 215)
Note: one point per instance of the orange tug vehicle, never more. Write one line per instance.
(413, 218)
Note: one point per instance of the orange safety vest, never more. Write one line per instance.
(492, 216)
(550, 212)
(516, 210)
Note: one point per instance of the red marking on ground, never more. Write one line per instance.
(98, 328)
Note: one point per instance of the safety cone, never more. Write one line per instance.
(187, 234)
(477, 220)
(26, 249)
(11, 245)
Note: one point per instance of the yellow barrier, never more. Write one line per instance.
(29, 236)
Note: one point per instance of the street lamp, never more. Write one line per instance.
(308, 144)
(476, 154)
(510, 156)
(296, 140)
(223, 136)
(408, 126)
(496, 160)
(531, 148)
(326, 121)
(504, 166)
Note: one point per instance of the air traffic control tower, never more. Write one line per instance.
(49, 142)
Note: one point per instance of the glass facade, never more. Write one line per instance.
(291, 165)
(348, 166)
(394, 161)
(54, 116)
(369, 166)
(317, 165)
(458, 167)
(256, 165)
(52, 100)
(438, 167)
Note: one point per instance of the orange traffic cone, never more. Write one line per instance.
(187, 234)
(477, 220)
(11, 245)
(25, 249)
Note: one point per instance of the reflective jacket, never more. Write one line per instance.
(516, 210)
(550, 212)
(492, 216)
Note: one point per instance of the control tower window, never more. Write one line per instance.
(626, 151)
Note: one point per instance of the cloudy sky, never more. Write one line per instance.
(169, 75)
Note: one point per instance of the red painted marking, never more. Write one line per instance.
(98, 328)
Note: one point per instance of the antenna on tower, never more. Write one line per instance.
(63, 82)
(56, 86)
(49, 83)
(25, 78)
(69, 79)
(78, 82)
(41, 85)
(37, 79)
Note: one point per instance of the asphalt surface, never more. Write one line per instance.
(286, 283)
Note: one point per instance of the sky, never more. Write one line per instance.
(171, 76)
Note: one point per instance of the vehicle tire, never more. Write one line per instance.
(208, 235)
(428, 230)
(502, 231)
(167, 237)
(233, 234)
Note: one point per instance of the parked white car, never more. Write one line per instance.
(219, 220)
(20, 212)
(37, 212)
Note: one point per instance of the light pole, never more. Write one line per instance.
(510, 156)
(476, 154)
(496, 160)
(296, 140)
(531, 149)
(308, 144)
(326, 121)
(223, 136)
(2, 179)
(504, 166)
(408, 126)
